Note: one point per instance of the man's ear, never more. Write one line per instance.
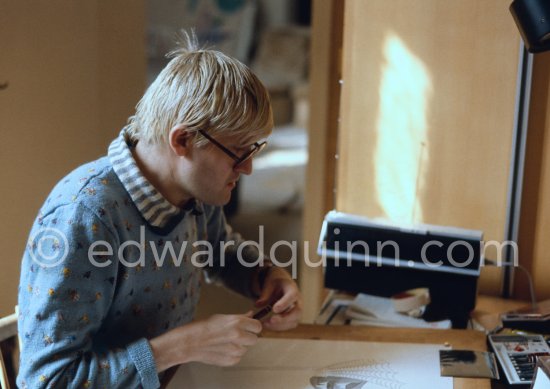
(180, 140)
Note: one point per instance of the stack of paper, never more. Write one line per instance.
(379, 311)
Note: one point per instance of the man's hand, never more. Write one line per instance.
(220, 340)
(280, 290)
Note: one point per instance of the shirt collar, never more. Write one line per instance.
(152, 205)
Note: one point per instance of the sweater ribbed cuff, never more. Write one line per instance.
(141, 354)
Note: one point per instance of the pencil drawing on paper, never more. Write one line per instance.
(357, 374)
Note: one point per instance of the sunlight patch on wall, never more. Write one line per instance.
(402, 151)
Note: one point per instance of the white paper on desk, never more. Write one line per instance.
(542, 381)
(379, 311)
(291, 363)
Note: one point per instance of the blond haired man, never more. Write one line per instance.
(111, 275)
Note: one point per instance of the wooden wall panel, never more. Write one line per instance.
(535, 213)
(325, 72)
(74, 70)
(427, 110)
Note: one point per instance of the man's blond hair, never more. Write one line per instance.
(204, 90)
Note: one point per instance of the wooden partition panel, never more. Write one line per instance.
(427, 114)
(324, 95)
(74, 71)
(535, 212)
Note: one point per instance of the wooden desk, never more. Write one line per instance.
(488, 310)
(458, 339)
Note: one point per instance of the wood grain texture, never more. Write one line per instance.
(438, 74)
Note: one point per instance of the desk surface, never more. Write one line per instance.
(458, 339)
(488, 310)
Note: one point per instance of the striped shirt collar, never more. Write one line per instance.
(152, 205)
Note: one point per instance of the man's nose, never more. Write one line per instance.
(245, 167)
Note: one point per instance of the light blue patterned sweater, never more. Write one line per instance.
(109, 264)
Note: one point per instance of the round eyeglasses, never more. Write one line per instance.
(254, 149)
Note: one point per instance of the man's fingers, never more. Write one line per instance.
(286, 320)
(248, 340)
(251, 325)
(286, 302)
(278, 323)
